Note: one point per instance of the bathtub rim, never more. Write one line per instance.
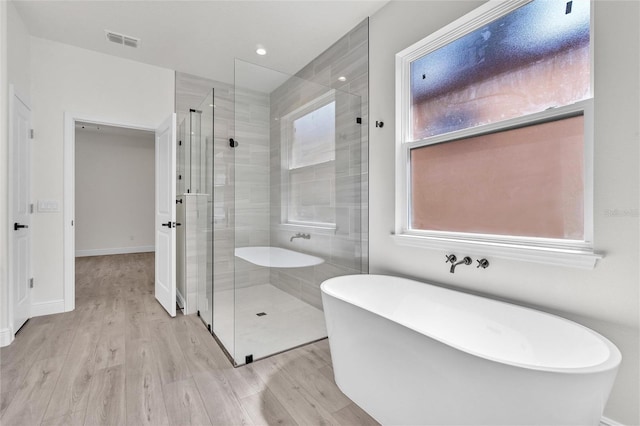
(610, 363)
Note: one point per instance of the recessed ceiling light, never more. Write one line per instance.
(342, 78)
(261, 51)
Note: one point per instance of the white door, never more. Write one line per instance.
(20, 211)
(165, 285)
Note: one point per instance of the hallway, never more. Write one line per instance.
(118, 358)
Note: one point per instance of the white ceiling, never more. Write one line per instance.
(201, 37)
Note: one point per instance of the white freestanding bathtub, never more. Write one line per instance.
(411, 353)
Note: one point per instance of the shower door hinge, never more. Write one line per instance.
(359, 120)
(31, 134)
(30, 282)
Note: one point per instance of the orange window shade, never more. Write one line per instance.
(522, 182)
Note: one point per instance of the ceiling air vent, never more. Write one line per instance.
(121, 39)
(130, 41)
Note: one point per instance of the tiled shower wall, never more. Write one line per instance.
(346, 250)
(241, 175)
(191, 90)
(251, 182)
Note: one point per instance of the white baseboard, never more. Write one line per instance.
(116, 250)
(6, 337)
(605, 421)
(47, 308)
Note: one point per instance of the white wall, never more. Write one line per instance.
(115, 191)
(18, 52)
(5, 333)
(70, 79)
(606, 298)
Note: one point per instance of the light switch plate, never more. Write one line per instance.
(48, 206)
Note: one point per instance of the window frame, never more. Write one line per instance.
(286, 126)
(578, 253)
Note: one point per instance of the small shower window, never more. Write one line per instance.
(313, 137)
(495, 129)
(308, 181)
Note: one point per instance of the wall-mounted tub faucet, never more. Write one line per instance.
(467, 261)
(451, 258)
(301, 235)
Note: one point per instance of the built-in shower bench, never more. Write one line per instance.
(276, 257)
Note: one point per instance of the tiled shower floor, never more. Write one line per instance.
(289, 322)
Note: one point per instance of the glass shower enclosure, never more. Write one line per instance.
(277, 163)
(297, 209)
(194, 210)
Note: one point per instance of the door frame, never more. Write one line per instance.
(14, 92)
(69, 193)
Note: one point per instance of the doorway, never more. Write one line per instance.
(114, 188)
(70, 192)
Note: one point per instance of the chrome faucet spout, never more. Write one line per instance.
(467, 261)
(300, 235)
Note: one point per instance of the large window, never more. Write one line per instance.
(494, 128)
(309, 171)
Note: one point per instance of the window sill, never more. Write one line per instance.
(585, 259)
(327, 229)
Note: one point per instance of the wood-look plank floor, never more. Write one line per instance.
(119, 359)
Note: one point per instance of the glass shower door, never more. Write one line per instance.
(221, 292)
(298, 208)
(199, 194)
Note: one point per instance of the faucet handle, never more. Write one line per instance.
(482, 263)
(450, 258)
